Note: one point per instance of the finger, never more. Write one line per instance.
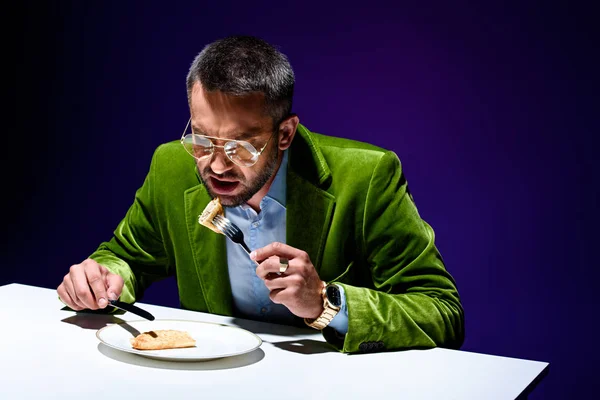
(268, 266)
(82, 289)
(274, 282)
(275, 296)
(76, 304)
(66, 297)
(114, 284)
(95, 274)
(276, 249)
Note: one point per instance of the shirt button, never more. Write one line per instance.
(263, 310)
(255, 224)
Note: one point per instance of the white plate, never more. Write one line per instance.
(212, 340)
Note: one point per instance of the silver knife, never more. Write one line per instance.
(132, 309)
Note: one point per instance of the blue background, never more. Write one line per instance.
(492, 109)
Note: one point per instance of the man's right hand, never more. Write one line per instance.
(89, 285)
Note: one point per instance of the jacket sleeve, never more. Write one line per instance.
(414, 302)
(136, 251)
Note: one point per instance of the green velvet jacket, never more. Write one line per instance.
(348, 207)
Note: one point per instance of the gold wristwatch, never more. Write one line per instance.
(332, 303)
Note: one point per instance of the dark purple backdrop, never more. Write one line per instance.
(490, 109)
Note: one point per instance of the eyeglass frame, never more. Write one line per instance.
(183, 135)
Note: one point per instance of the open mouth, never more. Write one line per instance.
(223, 187)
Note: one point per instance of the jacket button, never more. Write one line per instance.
(364, 346)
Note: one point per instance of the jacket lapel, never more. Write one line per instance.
(309, 212)
(309, 207)
(210, 254)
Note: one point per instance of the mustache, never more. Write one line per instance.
(227, 175)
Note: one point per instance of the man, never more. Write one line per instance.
(336, 240)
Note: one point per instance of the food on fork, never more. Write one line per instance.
(211, 210)
(162, 339)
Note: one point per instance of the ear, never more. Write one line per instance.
(287, 131)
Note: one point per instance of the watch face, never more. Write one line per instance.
(333, 295)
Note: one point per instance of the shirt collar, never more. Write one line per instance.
(277, 191)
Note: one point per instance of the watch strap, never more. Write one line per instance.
(329, 312)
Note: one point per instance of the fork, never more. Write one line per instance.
(230, 230)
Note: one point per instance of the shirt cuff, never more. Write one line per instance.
(340, 321)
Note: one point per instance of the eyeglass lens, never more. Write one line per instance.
(240, 152)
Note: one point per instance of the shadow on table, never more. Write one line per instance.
(242, 360)
(305, 346)
(96, 320)
(300, 345)
(93, 321)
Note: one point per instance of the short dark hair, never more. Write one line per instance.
(241, 65)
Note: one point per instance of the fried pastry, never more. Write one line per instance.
(162, 339)
(212, 209)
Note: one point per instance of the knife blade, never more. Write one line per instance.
(132, 309)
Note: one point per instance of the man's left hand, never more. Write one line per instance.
(299, 287)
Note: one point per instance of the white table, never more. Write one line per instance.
(47, 352)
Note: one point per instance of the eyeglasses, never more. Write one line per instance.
(239, 152)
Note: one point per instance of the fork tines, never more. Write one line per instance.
(224, 225)
(230, 230)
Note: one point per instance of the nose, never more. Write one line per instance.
(219, 162)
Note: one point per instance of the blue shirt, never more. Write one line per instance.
(250, 295)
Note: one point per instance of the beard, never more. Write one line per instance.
(248, 187)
